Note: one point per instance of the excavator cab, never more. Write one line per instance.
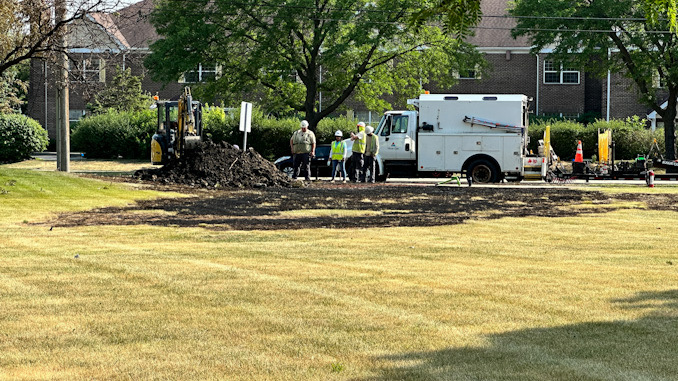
(179, 128)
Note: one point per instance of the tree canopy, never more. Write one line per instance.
(292, 51)
(632, 37)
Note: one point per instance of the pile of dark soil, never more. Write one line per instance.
(213, 165)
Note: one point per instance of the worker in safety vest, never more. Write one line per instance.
(337, 152)
(371, 151)
(357, 159)
(302, 145)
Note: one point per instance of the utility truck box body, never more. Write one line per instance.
(459, 133)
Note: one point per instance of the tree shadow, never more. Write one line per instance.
(643, 349)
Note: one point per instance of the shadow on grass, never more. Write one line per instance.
(643, 349)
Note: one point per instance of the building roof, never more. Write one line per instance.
(133, 23)
(106, 21)
(495, 30)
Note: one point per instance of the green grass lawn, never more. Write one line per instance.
(593, 297)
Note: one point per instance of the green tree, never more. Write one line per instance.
(13, 88)
(456, 15)
(124, 93)
(293, 50)
(640, 44)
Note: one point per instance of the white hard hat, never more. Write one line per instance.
(361, 124)
(304, 124)
(338, 133)
(369, 130)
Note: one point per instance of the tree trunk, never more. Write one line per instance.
(670, 126)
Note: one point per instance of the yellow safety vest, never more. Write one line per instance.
(359, 144)
(338, 149)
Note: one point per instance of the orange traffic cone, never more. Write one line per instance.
(579, 156)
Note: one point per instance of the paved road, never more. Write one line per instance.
(51, 156)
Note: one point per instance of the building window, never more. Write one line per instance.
(75, 115)
(559, 74)
(88, 70)
(468, 74)
(203, 73)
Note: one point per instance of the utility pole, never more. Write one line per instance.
(62, 122)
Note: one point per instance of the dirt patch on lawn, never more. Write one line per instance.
(353, 206)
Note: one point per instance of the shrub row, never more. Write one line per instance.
(270, 136)
(128, 135)
(631, 137)
(19, 137)
(115, 134)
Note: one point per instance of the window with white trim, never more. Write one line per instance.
(88, 70)
(203, 73)
(559, 74)
(468, 74)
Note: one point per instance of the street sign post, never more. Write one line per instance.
(245, 121)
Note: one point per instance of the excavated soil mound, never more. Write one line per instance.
(218, 165)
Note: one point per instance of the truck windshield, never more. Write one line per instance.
(384, 127)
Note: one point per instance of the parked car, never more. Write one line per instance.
(319, 164)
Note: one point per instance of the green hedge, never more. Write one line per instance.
(270, 137)
(115, 134)
(19, 137)
(631, 137)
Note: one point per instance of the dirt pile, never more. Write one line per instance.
(218, 165)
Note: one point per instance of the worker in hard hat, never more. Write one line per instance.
(302, 145)
(337, 153)
(371, 151)
(357, 158)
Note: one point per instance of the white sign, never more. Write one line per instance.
(246, 117)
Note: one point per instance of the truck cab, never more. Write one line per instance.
(397, 133)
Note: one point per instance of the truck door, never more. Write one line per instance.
(395, 137)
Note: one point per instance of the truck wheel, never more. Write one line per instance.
(482, 172)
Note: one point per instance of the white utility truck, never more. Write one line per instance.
(482, 136)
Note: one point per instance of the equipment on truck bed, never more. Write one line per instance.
(179, 128)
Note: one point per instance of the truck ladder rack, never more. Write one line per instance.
(488, 123)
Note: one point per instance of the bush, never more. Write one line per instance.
(631, 137)
(115, 134)
(19, 137)
(270, 136)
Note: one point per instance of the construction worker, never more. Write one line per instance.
(337, 152)
(371, 151)
(357, 158)
(302, 145)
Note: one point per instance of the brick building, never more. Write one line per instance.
(102, 42)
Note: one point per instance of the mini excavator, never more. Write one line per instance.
(179, 128)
